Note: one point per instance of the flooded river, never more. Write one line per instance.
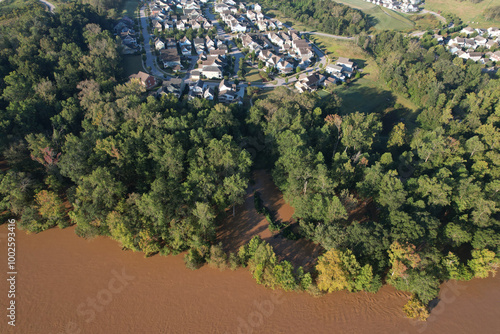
(66, 284)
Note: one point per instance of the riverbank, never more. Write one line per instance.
(59, 274)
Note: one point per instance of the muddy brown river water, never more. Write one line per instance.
(66, 284)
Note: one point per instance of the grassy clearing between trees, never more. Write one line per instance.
(384, 19)
(425, 22)
(367, 94)
(252, 74)
(466, 10)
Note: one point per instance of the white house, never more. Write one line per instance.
(467, 31)
(159, 44)
(331, 69)
(285, 67)
(212, 72)
(494, 32)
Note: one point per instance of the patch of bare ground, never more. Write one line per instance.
(365, 211)
(238, 230)
(3, 165)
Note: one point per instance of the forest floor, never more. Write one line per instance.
(235, 232)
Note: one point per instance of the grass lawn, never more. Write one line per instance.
(367, 94)
(386, 19)
(425, 22)
(132, 64)
(252, 74)
(339, 48)
(469, 12)
(128, 8)
(382, 18)
(358, 4)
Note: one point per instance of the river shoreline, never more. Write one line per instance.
(59, 274)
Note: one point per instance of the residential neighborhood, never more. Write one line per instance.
(405, 6)
(479, 45)
(203, 50)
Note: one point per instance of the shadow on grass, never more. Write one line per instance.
(358, 96)
(372, 20)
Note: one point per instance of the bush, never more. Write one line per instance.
(217, 259)
(314, 291)
(32, 222)
(234, 261)
(289, 234)
(415, 309)
(193, 259)
(256, 196)
(165, 251)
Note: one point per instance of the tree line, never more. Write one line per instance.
(84, 146)
(324, 15)
(430, 187)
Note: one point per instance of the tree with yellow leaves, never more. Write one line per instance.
(339, 270)
(483, 263)
(50, 208)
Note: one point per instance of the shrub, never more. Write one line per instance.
(234, 261)
(415, 309)
(165, 251)
(193, 259)
(217, 259)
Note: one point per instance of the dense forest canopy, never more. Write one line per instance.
(325, 15)
(81, 145)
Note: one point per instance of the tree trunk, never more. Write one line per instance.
(305, 187)
(234, 212)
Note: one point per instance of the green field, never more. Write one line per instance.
(288, 21)
(338, 47)
(469, 12)
(382, 18)
(366, 94)
(252, 74)
(425, 21)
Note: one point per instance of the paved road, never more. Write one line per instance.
(418, 34)
(150, 57)
(221, 34)
(327, 35)
(48, 4)
(425, 11)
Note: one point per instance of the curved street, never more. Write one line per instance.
(327, 35)
(48, 4)
(150, 57)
